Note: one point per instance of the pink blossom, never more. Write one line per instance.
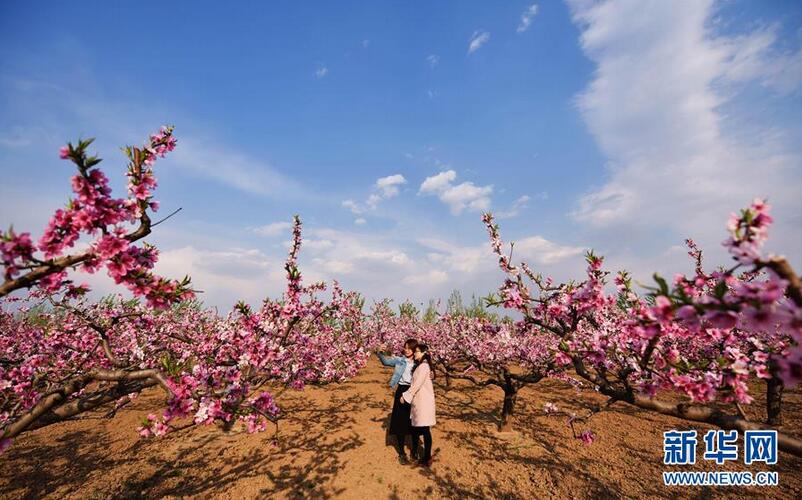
(550, 408)
(721, 319)
(109, 246)
(762, 371)
(663, 309)
(687, 314)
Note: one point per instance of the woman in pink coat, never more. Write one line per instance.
(421, 395)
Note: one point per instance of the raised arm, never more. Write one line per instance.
(386, 360)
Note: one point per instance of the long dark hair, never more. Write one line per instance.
(426, 357)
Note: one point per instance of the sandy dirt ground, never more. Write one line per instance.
(332, 443)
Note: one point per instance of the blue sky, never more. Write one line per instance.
(623, 126)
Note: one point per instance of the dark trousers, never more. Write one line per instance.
(426, 432)
(401, 437)
(399, 420)
(399, 443)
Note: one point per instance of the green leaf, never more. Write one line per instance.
(662, 283)
(749, 216)
(721, 289)
(92, 161)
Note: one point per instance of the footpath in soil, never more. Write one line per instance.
(332, 443)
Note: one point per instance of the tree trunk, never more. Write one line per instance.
(774, 395)
(510, 394)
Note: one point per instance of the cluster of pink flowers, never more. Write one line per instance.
(161, 143)
(16, 250)
(748, 232)
(587, 437)
(95, 213)
(214, 369)
(317, 342)
(211, 367)
(702, 336)
(152, 426)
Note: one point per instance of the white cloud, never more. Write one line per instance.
(360, 221)
(371, 261)
(755, 56)
(208, 159)
(321, 72)
(437, 182)
(373, 264)
(544, 252)
(225, 276)
(395, 257)
(471, 260)
(467, 195)
(656, 106)
(433, 60)
(353, 206)
(526, 18)
(516, 208)
(478, 39)
(460, 196)
(460, 260)
(272, 229)
(389, 185)
(334, 267)
(317, 244)
(433, 277)
(373, 201)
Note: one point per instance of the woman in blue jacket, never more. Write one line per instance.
(401, 380)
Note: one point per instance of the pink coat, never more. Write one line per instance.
(421, 395)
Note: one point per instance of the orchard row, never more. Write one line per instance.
(703, 336)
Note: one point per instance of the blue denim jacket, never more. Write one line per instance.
(400, 364)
